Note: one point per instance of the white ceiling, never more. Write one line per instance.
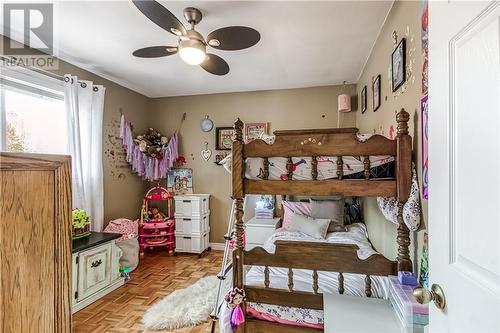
(302, 44)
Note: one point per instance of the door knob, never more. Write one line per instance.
(436, 294)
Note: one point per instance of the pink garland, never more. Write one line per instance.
(148, 168)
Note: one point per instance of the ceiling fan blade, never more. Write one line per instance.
(161, 16)
(155, 51)
(215, 65)
(233, 38)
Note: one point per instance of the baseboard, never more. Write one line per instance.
(217, 246)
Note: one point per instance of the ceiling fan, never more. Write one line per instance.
(192, 46)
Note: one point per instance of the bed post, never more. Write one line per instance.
(403, 172)
(238, 172)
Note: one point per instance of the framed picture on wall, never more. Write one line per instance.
(180, 180)
(224, 138)
(398, 65)
(376, 93)
(254, 130)
(363, 100)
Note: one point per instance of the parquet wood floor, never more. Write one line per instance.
(157, 276)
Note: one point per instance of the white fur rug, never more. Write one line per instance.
(184, 307)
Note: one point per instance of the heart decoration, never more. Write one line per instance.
(206, 154)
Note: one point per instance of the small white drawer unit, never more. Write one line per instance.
(192, 205)
(257, 231)
(192, 223)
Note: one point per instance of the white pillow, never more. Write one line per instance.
(316, 228)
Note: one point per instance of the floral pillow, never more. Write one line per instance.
(290, 208)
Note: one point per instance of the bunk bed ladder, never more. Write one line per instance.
(227, 265)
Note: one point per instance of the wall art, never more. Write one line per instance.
(425, 146)
(224, 137)
(180, 180)
(398, 65)
(376, 93)
(363, 100)
(254, 131)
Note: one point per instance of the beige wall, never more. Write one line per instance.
(282, 109)
(404, 17)
(123, 190)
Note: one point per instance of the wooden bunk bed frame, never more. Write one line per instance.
(340, 258)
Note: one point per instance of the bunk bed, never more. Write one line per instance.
(296, 255)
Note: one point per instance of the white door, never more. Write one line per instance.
(464, 162)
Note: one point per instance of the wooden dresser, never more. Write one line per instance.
(35, 243)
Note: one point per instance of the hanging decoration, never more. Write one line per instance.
(152, 143)
(206, 153)
(150, 155)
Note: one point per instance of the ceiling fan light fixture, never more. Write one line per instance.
(176, 31)
(192, 51)
(214, 42)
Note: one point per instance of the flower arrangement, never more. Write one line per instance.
(80, 223)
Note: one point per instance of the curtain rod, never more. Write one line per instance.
(36, 69)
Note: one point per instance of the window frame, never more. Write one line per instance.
(28, 82)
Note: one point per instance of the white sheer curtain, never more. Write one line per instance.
(85, 109)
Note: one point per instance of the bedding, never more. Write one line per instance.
(380, 167)
(329, 209)
(354, 284)
(292, 207)
(316, 228)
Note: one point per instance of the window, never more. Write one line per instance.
(33, 113)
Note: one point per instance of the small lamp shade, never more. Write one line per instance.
(344, 103)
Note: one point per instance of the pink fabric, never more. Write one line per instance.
(147, 167)
(290, 207)
(264, 316)
(237, 317)
(128, 228)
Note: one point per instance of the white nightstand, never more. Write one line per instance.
(344, 314)
(259, 230)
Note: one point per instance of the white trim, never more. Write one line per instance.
(33, 78)
(217, 246)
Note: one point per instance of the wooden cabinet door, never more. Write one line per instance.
(35, 243)
(94, 270)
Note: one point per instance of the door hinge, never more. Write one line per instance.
(77, 260)
(76, 294)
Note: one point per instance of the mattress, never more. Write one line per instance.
(354, 284)
(353, 167)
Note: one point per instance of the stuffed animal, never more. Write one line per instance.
(152, 143)
(156, 214)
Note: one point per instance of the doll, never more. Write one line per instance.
(234, 298)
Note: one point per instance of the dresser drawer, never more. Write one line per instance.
(192, 205)
(192, 225)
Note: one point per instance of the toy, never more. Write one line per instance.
(407, 278)
(156, 228)
(125, 272)
(152, 143)
(156, 214)
(234, 298)
(80, 224)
